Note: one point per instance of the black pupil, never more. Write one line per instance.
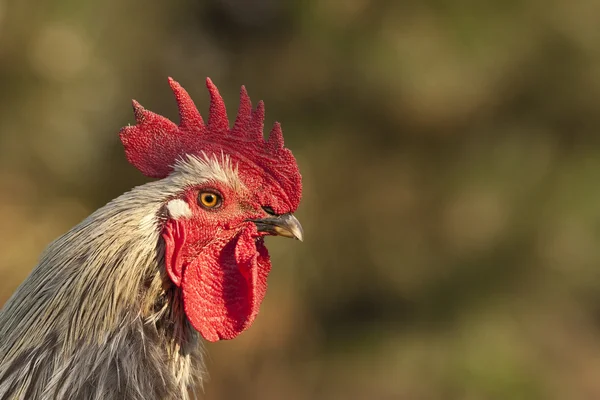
(209, 198)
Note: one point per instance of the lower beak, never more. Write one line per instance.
(285, 225)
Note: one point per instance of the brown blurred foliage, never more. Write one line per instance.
(451, 163)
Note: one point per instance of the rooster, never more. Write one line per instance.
(116, 306)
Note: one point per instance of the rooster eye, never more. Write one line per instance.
(209, 199)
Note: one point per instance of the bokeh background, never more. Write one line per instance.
(451, 164)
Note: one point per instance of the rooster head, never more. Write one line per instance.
(229, 188)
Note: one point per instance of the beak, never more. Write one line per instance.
(285, 225)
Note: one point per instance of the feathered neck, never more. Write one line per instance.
(102, 311)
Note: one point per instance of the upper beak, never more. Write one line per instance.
(285, 225)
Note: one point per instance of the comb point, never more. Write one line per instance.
(189, 116)
(275, 141)
(217, 117)
(139, 111)
(257, 121)
(244, 113)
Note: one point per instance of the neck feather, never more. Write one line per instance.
(98, 288)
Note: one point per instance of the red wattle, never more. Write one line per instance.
(225, 284)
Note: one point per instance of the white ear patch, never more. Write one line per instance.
(178, 209)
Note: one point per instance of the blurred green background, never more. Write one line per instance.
(451, 163)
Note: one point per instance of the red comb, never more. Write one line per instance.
(155, 143)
